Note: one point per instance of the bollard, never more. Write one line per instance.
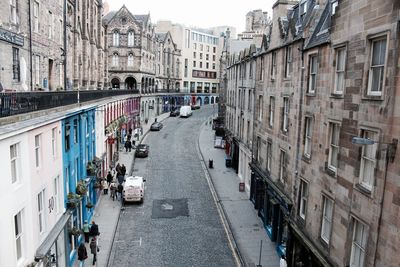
(210, 163)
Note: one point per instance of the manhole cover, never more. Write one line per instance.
(169, 208)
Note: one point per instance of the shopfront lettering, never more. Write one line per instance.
(11, 37)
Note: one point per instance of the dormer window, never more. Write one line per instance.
(303, 9)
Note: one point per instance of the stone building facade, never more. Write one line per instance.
(328, 73)
(132, 48)
(34, 43)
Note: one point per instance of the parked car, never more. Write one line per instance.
(156, 126)
(193, 107)
(133, 189)
(142, 151)
(174, 113)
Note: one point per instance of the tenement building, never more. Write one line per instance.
(201, 52)
(324, 173)
(132, 48)
(36, 56)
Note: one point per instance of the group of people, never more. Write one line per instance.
(129, 144)
(113, 182)
(93, 232)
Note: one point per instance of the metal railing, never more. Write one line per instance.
(14, 103)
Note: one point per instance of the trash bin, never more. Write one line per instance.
(241, 187)
(228, 162)
(210, 163)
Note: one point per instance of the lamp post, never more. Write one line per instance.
(390, 155)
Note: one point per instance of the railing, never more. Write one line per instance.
(13, 103)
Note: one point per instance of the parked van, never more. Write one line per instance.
(133, 189)
(185, 111)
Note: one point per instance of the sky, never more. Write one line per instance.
(203, 13)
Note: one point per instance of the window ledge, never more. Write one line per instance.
(287, 78)
(372, 97)
(337, 95)
(330, 172)
(300, 221)
(362, 189)
(306, 158)
(310, 94)
(323, 242)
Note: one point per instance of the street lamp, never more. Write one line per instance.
(390, 155)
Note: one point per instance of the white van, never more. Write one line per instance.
(185, 111)
(133, 189)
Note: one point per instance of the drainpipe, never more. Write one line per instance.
(300, 108)
(30, 43)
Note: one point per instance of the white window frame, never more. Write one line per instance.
(327, 218)
(116, 38)
(271, 111)
(115, 60)
(15, 162)
(334, 129)
(269, 156)
(260, 107)
(288, 61)
(19, 235)
(38, 151)
(54, 142)
(308, 127)
(358, 244)
(340, 54)
(273, 65)
(282, 166)
(130, 60)
(313, 70)
(131, 39)
(37, 69)
(368, 158)
(303, 199)
(381, 66)
(285, 120)
(36, 8)
(13, 12)
(50, 33)
(57, 194)
(41, 211)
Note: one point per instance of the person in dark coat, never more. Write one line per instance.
(82, 253)
(109, 178)
(94, 229)
(118, 169)
(120, 188)
(123, 170)
(94, 249)
(128, 146)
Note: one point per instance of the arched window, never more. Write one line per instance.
(130, 60)
(116, 38)
(115, 59)
(131, 38)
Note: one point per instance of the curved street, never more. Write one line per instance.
(178, 223)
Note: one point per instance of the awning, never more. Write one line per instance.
(304, 239)
(46, 245)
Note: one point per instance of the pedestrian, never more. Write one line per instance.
(94, 230)
(105, 186)
(128, 146)
(109, 178)
(133, 144)
(120, 188)
(94, 248)
(82, 254)
(121, 179)
(123, 170)
(118, 169)
(86, 230)
(113, 188)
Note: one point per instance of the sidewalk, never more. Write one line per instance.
(106, 213)
(245, 225)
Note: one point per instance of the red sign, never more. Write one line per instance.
(110, 140)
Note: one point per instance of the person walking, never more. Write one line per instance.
(113, 189)
(82, 254)
(94, 230)
(86, 230)
(109, 178)
(120, 188)
(94, 249)
(118, 169)
(105, 186)
(128, 146)
(123, 170)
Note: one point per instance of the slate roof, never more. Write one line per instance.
(321, 32)
(142, 18)
(106, 19)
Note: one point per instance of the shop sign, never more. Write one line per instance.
(11, 37)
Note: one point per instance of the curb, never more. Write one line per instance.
(225, 221)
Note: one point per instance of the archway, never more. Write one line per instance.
(199, 101)
(130, 83)
(206, 100)
(216, 99)
(142, 86)
(115, 83)
(212, 100)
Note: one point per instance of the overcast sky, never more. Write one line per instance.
(203, 13)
